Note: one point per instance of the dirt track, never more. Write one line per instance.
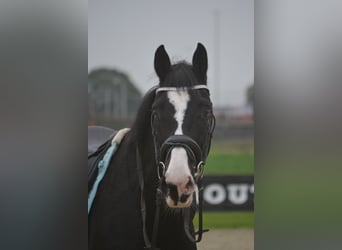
(228, 239)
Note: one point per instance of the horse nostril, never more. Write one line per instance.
(184, 197)
(173, 192)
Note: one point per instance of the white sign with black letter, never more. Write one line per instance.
(228, 193)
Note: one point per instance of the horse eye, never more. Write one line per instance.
(210, 120)
(154, 119)
(206, 115)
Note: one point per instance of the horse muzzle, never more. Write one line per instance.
(178, 169)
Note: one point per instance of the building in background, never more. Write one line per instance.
(238, 121)
(235, 116)
(113, 99)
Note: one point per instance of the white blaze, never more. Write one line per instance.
(178, 170)
(179, 99)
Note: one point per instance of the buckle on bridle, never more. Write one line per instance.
(198, 175)
(161, 166)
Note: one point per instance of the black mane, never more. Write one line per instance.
(141, 122)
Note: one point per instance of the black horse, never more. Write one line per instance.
(149, 192)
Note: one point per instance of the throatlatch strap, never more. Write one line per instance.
(148, 245)
(142, 199)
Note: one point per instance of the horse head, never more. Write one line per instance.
(182, 123)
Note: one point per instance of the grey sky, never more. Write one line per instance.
(125, 34)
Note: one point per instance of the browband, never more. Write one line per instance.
(179, 88)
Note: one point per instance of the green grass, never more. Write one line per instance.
(229, 163)
(229, 158)
(227, 219)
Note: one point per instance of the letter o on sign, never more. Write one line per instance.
(214, 194)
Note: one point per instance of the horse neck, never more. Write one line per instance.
(146, 149)
(142, 137)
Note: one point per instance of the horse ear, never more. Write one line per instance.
(162, 64)
(200, 63)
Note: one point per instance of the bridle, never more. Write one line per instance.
(162, 151)
(194, 151)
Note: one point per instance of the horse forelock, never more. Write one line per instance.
(181, 75)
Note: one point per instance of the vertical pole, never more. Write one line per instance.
(217, 56)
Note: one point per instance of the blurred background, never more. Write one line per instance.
(122, 39)
(47, 56)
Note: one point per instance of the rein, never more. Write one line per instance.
(199, 156)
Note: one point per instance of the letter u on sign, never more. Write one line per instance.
(237, 193)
